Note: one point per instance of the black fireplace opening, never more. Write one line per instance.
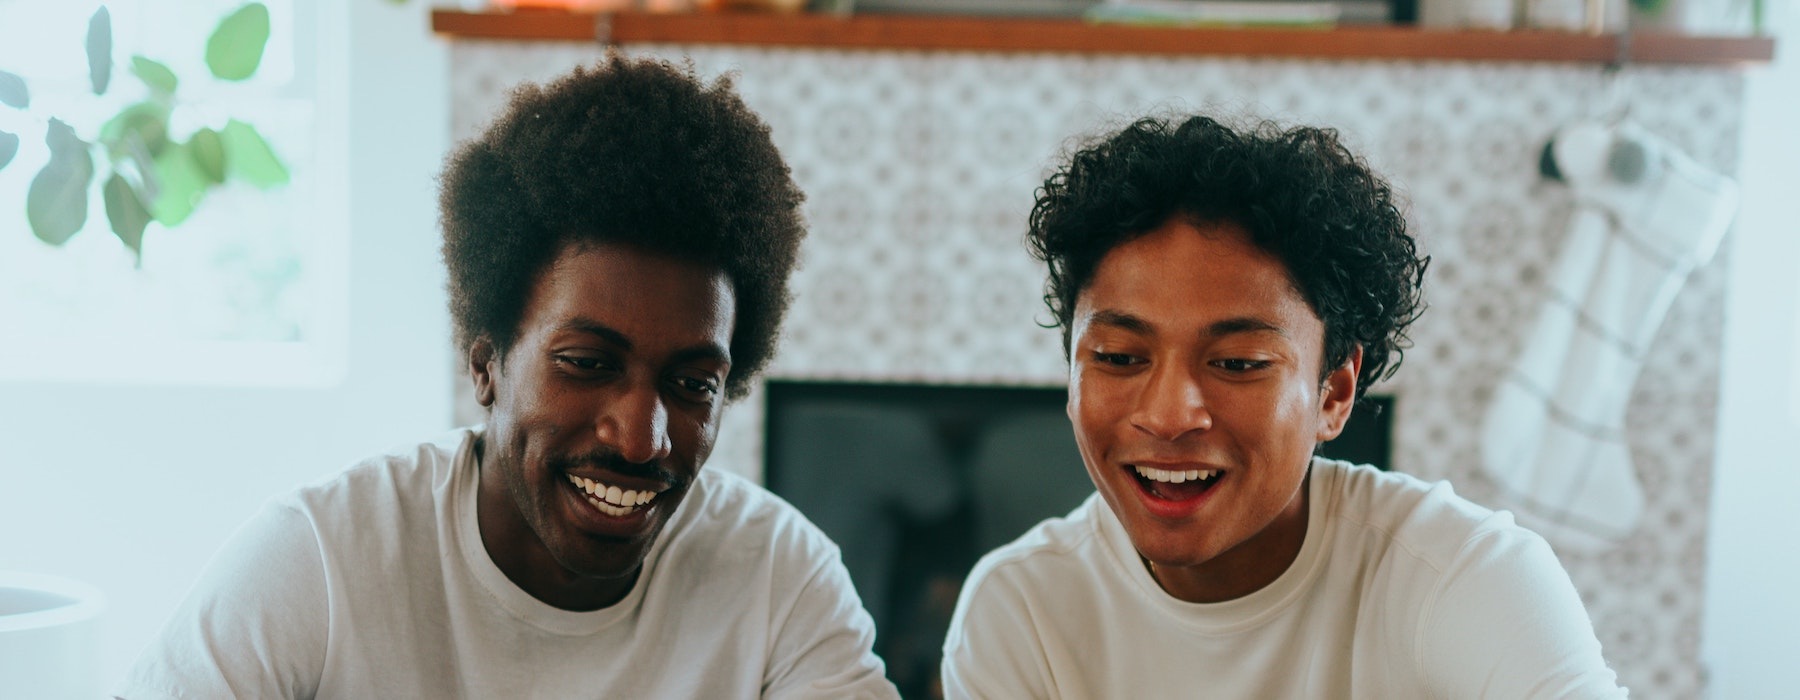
(915, 482)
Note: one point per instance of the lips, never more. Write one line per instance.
(611, 498)
(1174, 491)
(611, 506)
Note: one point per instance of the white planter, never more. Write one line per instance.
(49, 637)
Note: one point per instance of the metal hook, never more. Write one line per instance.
(1618, 104)
(1615, 106)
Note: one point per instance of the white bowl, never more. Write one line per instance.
(49, 637)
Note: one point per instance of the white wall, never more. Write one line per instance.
(1752, 632)
(133, 488)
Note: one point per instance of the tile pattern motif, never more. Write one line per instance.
(920, 169)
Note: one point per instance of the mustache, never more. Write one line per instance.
(611, 461)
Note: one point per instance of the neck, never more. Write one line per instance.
(1247, 568)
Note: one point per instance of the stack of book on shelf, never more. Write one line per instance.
(1283, 13)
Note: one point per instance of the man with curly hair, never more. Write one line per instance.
(619, 244)
(1225, 297)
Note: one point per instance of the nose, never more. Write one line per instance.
(634, 422)
(1170, 404)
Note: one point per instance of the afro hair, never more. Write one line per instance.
(631, 151)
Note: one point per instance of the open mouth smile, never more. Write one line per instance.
(1173, 493)
(612, 500)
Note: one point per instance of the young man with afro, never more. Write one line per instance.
(1225, 297)
(619, 244)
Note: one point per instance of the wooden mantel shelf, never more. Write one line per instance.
(1075, 36)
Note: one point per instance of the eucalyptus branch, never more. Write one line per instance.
(148, 174)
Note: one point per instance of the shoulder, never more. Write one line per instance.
(1020, 595)
(724, 497)
(385, 504)
(1402, 543)
(1054, 544)
(402, 477)
(1426, 522)
(1478, 605)
(728, 513)
(1053, 558)
(342, 509)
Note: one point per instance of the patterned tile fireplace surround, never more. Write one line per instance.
(919, 170)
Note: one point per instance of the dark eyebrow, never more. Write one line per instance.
(595, 328)
(1122, 321)
(1231, 326)
(709, 352)
(702, 352)
(1243, 324)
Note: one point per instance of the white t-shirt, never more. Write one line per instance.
(1401, 590)
(375, 584)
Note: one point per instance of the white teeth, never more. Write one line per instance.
(612, 500)
(1175, 477)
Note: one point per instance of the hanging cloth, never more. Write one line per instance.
(1645, 216)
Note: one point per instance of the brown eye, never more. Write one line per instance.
(584, 364)
(696, 388)
(1116, 359)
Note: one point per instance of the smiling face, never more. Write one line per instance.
(599, 418)
(1194, 388)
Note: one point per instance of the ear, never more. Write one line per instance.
(1337, 395)
(484, 363)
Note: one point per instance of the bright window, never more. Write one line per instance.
(247, 290)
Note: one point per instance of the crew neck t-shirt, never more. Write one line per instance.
(1401, 590)
(376, 584)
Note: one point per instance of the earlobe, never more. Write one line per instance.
(481, 370)
(1338, 395)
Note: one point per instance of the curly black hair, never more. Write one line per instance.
(1298, 192)
(633, 151)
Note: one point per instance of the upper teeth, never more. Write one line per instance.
(1175, 477)
(612, 495)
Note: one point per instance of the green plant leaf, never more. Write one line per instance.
(99, 50)
(208, 151)
(56, 204)
(236, 46)
(125, 210)
(9, 147)
(61, 137)
(156, 75)
(148, 122)
(179, 185)
(249, 158)
(12, 91)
